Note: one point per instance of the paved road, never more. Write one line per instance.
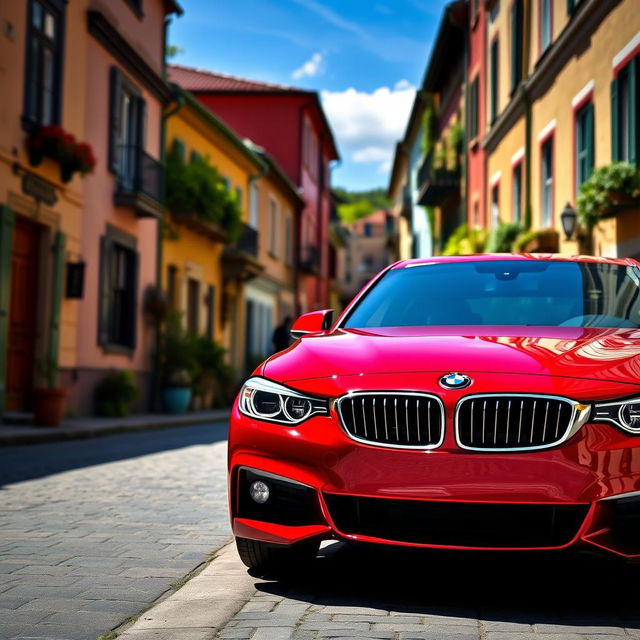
(92, 531)
(405, 595)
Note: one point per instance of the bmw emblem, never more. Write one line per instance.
(455, 381)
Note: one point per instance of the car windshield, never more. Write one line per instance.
(502, 292)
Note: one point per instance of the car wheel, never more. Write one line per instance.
(276, 560)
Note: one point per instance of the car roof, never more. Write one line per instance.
(487, 257)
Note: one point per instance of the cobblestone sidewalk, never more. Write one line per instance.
(99, 529)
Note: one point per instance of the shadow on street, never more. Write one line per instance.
(533, 588)
(32, 461)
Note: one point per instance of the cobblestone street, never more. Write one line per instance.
(93, 531)
(405, 595)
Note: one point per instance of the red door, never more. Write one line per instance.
(22, 315)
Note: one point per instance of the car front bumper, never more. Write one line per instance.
(583, 493)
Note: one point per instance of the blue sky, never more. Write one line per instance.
(364, 57)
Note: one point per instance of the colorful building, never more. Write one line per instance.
(567, 94)
(231, 292)
(77, 252)
(291, 126)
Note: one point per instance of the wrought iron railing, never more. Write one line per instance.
(139, 173)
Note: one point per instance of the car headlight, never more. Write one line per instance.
(623, 413)
(267, 400)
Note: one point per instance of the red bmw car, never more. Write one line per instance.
(480, 402)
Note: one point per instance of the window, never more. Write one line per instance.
(584, 137)
(547, 183)
(274, 222)
(473, 109)
(193, 306)
(517, 193)
(546, 22)
(494, 71)
(368, 230)
(516, 44)
(502, 292)
(288, 240)
(118, 291)
(624, 111)
(43, 67)
(127, 126)
(195, 156)
(179, 149)
(253, 204)
(211, 305)
(495, 205)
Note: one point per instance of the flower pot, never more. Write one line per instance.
(49, 406)
(66, 172)
(176, 399)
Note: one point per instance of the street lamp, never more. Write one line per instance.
(568, 218)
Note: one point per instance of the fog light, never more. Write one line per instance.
(259, 492)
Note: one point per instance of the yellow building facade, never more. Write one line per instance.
(232, 292)
(554, 117)
(193, 273)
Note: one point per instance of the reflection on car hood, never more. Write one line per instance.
(597, 354)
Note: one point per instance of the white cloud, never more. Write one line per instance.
(310, 68)
(368, 125)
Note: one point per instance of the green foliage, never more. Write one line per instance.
(173, 50)
(501, 239)
(547, 240)
(464, 241)
(608, 189)
(212, 374)
(456, 136)
(359, 204)
(115, 393)
(197, 190)
(429, 130)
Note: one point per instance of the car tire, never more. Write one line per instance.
(276, 560)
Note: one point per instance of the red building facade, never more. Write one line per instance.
(291, 125)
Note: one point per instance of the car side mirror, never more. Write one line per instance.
(312, 322)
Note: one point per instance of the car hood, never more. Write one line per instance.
(596, 354)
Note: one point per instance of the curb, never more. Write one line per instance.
(201, 607)
(55, 434)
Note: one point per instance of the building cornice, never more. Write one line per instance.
(109, 37)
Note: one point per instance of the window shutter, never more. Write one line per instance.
(59, 245)
(106, 248)
(179, 148)
(634, 68)
(114, 117)
(615, 122)
(7, 219)
(134, 265)
(590, 139)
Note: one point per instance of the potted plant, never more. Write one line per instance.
(609, 190)
(49, 400)
(54, 142)
(177, 364)
(115, 393)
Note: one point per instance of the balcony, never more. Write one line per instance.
(139, 182)
(310, 260)
(240, 260)
(436, 184)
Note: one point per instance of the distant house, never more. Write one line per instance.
(367, 251)
(291, 126)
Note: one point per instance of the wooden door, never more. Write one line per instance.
(23, 306)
